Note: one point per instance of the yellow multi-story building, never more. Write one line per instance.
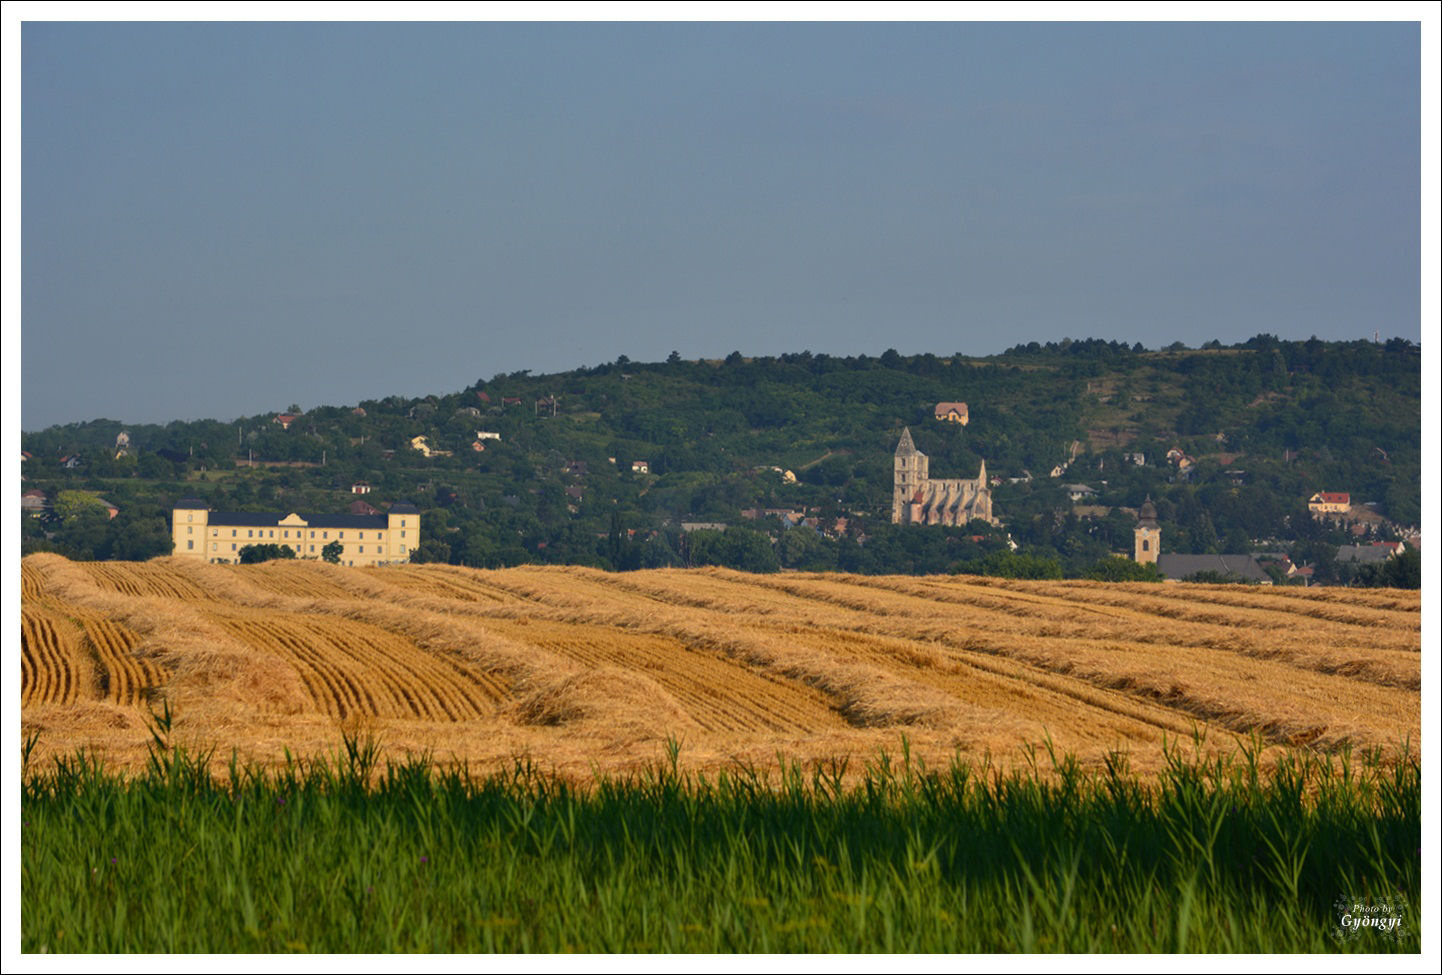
(218, 536)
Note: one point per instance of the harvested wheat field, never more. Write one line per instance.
(584, 671)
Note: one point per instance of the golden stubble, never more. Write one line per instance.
(580, 671)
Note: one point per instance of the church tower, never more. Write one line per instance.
(1148, 534)
(910, 475)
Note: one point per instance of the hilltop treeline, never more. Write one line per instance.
(1263, 425)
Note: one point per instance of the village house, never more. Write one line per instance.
(420, 443)
(951, 413)
(1329, 502)
(1283, 563)
(218, 536)
(640, 467)
(1176, 567)
(1370, 554)
(789, 517)
(284, 419)
(34, 503)
(360, 487)
(787, 477)
(1182, 461)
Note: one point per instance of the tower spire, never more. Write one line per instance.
(906, 446)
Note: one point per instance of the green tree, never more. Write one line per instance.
(1402, 572)
(71, 505)
(1214, 577)
(83, 524)
(432, 550)
(1007, 564)
(332, 552)
(253, 554)
(1118, 569)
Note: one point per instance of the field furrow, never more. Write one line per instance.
(351, 668)
(128, 679)
(54, 665)
(717, 693)
(577, 667)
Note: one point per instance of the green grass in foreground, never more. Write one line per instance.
(346, 857)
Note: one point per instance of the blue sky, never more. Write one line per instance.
(333, 212)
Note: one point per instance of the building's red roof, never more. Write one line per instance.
(1334, 497)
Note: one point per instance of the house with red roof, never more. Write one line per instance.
(1329, 502)
(951, 413)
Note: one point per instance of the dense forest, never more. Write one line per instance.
(1253, 431)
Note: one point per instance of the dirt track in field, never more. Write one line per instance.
(581, 670)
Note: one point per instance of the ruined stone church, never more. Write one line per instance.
(918, 499)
